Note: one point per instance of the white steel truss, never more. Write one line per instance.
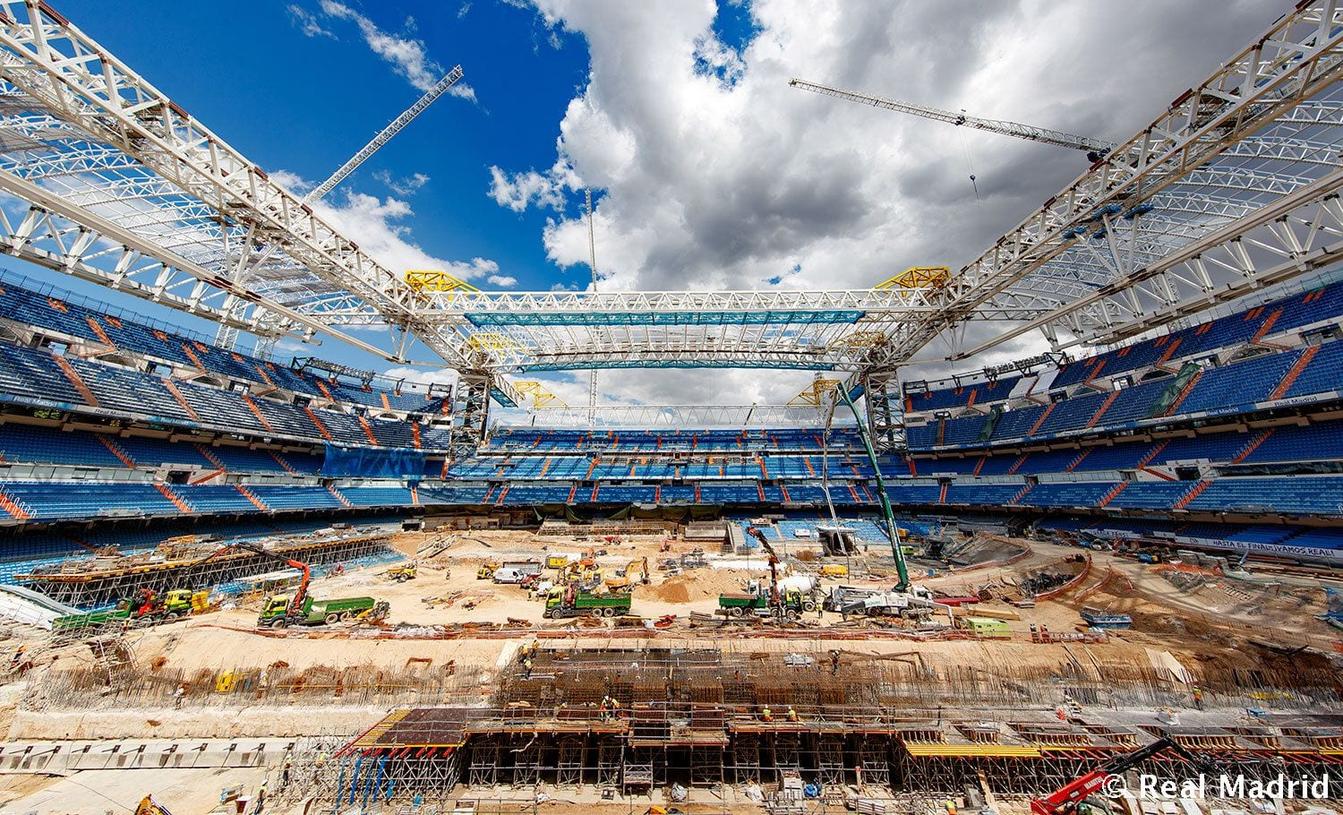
(1257, 141)
(672, 417)
(219, 213)
(1233, 187)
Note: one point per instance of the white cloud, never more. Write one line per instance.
(293, 182)
(308, 23)
(378, 226)
(443, 376)
(716, 174)
(530, 188)
(503, 281)
(408, 185)
(406, 55)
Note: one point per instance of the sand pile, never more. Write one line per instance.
(701, 584)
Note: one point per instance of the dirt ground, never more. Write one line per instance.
(450, 619)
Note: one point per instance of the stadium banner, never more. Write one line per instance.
(371, 462)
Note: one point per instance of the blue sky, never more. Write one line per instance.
(305, 103)
(711, 172)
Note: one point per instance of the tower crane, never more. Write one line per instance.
(385, 135)
(1096, 149)
(227, 335)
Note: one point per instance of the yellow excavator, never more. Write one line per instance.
(148, 807)
(625, 578)
(580, 571)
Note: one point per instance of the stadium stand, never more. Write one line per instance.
(1125, 433)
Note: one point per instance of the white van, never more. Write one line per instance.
(509, 574)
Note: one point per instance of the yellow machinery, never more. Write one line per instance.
(148, 807)
(433, 280)
(490, 341)
(625, 578)
(557, 561)
(540, 396)
(918, 277)
(486, 570)
(404, 572)
(814, 394)
(585, 573)
(834, 570)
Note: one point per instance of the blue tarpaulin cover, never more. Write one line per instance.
(372, 462)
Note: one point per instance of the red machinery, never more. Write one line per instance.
(1064, 800)
(300, 593)
(775, 600)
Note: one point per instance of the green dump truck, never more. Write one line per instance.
(92, 619)
(276, 611)
(755, 603)
(577, 603)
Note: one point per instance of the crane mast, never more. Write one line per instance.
(1096, 148)
(385, 135)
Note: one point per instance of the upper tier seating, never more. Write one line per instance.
(31, 375)
(1319, 304)
(1231, 388)
(1318, 441)
(58, 311)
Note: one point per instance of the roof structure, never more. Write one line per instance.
(1233, 187)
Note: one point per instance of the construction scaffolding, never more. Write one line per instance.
(632, 720)
(102, 580)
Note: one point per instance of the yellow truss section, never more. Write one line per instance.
(431, 280)
(491, 341)
(814, 394)
(918, 277)
(538, 394)
(863, 339)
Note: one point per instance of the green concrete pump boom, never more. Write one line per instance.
(888, 514)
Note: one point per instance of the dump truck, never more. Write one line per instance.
(574, 603)
(278, 613)
(153, 606)
(299, 608)
(147, 608)
(91, 619)
(404, 572)
(755, 601)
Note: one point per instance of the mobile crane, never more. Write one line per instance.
(1066, 799)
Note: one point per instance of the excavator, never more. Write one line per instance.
(1070, 798)
(625, 578)
(148, 807)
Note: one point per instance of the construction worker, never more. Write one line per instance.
(1198, 697)
(834, 660)
(178, 695)
(284, 771)
(766, 715)
(792, 714)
